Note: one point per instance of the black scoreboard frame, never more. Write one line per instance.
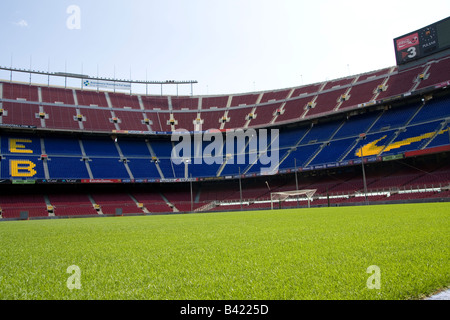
(423, 42)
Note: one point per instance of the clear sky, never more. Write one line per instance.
(228, 46)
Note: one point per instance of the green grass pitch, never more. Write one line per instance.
(301, 254)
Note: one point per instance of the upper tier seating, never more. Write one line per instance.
(87, 110)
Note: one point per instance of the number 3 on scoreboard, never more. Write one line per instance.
(412, 52)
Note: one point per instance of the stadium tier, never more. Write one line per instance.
(389, 132)
(48, 107)
(387, 183)
(51, 135)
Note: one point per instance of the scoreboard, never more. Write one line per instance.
(423, 42)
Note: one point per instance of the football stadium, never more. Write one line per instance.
(338, 189)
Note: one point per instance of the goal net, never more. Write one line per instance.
(283, 196)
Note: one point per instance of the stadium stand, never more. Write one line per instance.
(391, 119)
(296, 103)
(387, 132)
(109, 202)
(119, 100)
(183, 103)
(72, 204)
(13, 204)
(57, 95)
(91, 98)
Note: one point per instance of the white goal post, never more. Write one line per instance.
(282, 196)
